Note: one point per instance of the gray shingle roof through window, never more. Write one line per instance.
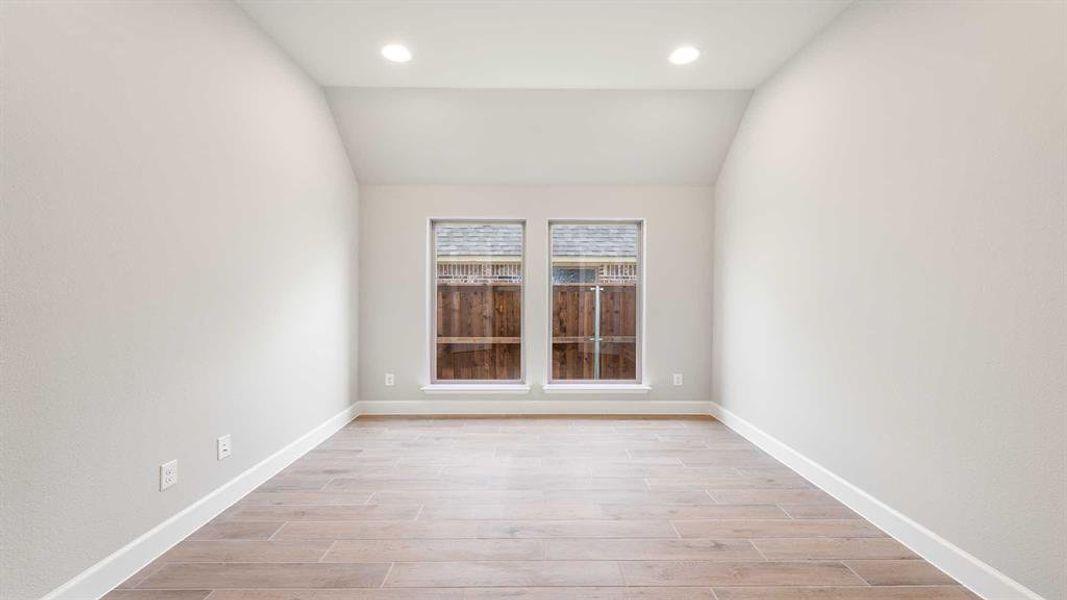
(609, 240)
(479, 239)
(568, 239)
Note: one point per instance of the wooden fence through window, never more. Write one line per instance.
(479, 331)
(574, 328)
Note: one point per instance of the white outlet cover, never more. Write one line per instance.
(223, 447)
(390, 379)
(677, 379)
(168, 474)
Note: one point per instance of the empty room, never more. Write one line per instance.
(533, 299)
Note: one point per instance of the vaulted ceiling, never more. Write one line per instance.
(546, 91)
(536, 136)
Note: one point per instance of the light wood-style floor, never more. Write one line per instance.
(538, 508)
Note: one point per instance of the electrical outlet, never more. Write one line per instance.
(168, 474)
(390, 379)
(222, 445)
(677, 379)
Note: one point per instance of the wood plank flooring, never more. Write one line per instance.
(538, 508)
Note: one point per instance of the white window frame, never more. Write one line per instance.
(471, 385)
(636, 385)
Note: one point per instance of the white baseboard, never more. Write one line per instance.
(443, 406)
(976, 575)
(102, 577)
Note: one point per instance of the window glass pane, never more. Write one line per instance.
(478, 301)
(595, 268)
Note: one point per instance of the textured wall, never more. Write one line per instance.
(393, 277)
(890, 289)
(177, 238)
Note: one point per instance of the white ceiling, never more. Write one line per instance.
(536, 136)
(540, 91)
(586, 44)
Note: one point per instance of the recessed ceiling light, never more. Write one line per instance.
(684, 55)
(398, 53)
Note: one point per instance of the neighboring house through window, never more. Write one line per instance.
(596, 277)
(477, 312)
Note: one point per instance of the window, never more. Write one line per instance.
(596, 276)
(477, 312)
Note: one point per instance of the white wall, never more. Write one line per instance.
(890, 293)
(177, 228)
(491, 137)
(616, 45)
(393, 277)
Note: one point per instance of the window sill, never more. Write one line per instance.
(476, 388)
(596, 388)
